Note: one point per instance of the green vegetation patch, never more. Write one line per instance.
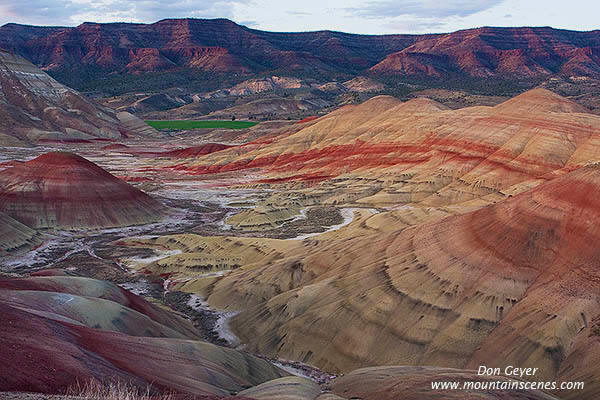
(182, 125)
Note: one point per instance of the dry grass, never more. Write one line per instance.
(94, 390)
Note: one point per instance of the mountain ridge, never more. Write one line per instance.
(222, 46)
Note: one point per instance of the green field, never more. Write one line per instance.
(185, 125)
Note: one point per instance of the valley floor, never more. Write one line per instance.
(199, 207)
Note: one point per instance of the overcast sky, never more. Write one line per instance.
(356, 16)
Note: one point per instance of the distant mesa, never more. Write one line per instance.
(64, 190)
(219, 45)
(489, 51)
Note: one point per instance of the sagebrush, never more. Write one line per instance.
(116, 390)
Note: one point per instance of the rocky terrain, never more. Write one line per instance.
(38, 109)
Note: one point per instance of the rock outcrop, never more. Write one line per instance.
(34, 107)
(14, 235)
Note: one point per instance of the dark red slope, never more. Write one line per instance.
(42, 355)
(68, 191)
(34, 349)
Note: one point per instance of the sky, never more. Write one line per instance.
(353, 16)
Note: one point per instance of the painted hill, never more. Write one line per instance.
(35, 107)
(480, 252)
(514, 283)
(86, 329)
(67, 191)
(448, 156)
(539, 101)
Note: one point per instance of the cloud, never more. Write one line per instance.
(299, 13)
(413, 25)
(38, 11)
(423, 8)
(70, 12)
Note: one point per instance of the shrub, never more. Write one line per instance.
(115, 390)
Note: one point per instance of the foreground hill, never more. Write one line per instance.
(35, 108)
(89, 329)
(514, 283)
(63, 190)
